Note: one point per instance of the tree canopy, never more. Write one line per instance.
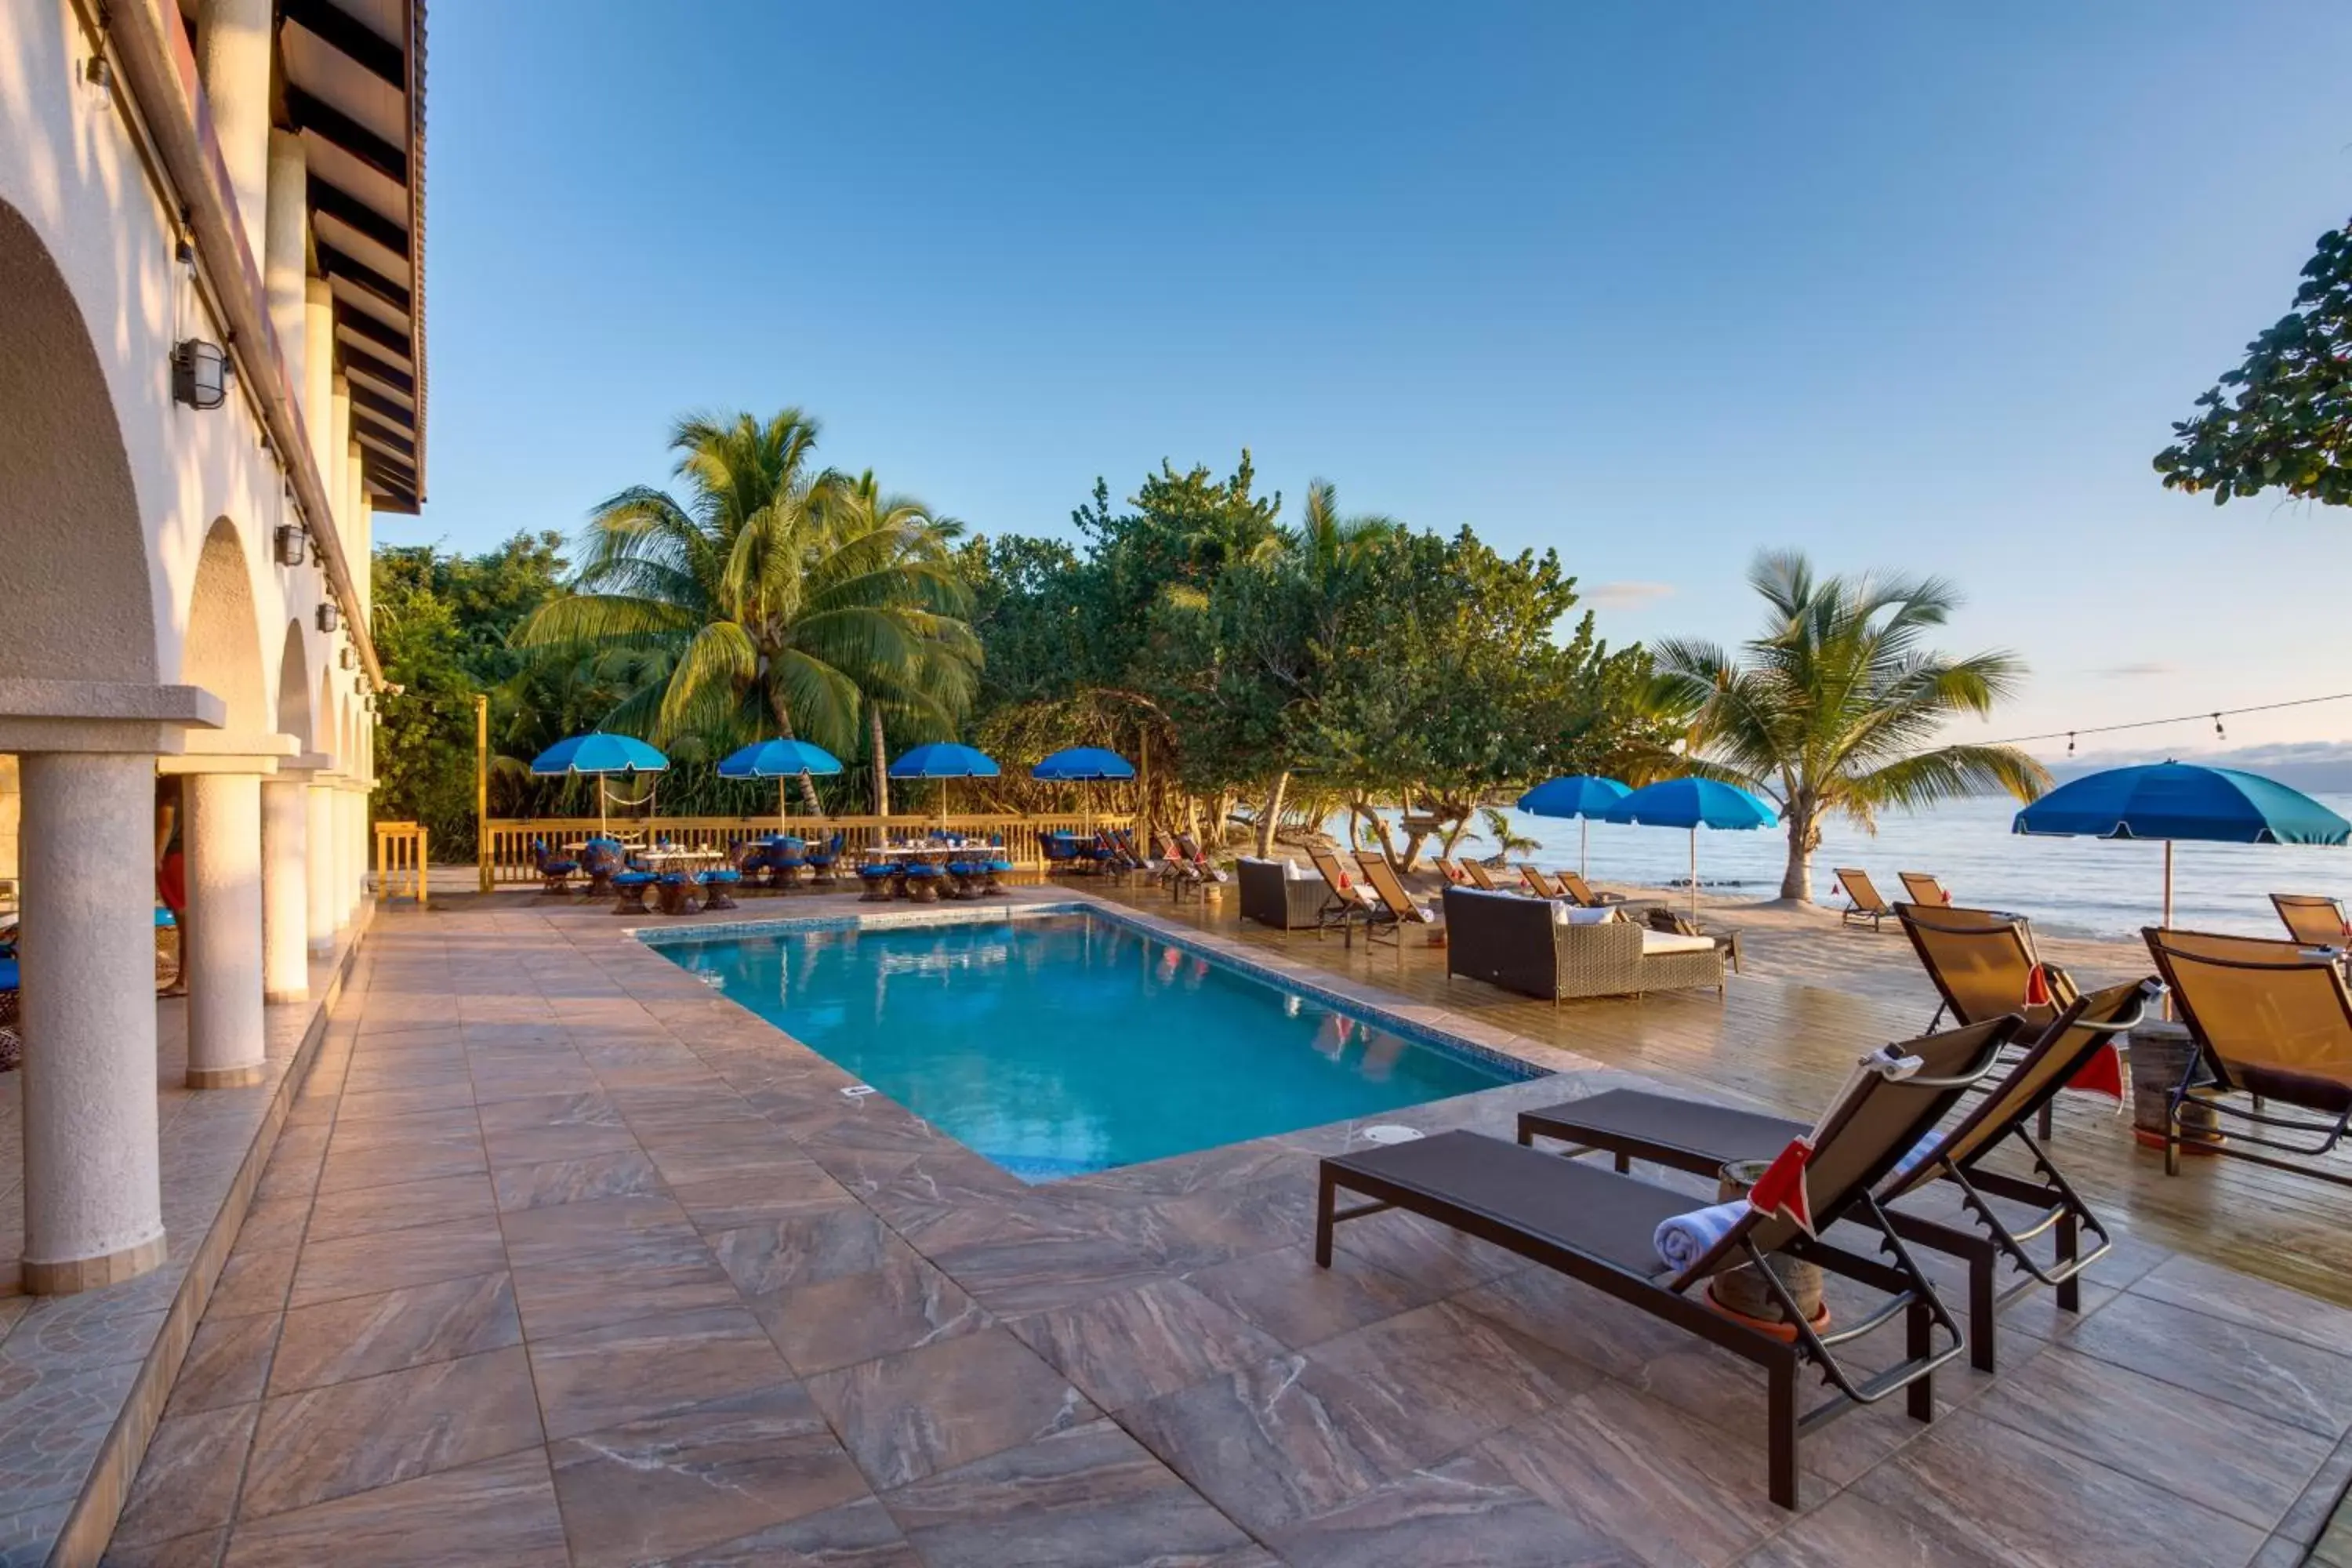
(2282, 418)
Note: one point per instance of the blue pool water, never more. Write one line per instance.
(1059, 1044)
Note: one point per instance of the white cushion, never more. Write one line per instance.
(1292, 871)
(1654, 941)
(1569, 915)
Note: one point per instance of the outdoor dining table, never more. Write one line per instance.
(672, 895)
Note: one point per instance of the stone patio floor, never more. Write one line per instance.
(562, 1260)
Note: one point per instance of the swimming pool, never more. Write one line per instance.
(1066, 1041)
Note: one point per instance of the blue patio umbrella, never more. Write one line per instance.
(1693, 804)
(944, 760)
(1580, 795)
(779, 760)
(596, 754)
(2173, 801)
(1084, 765)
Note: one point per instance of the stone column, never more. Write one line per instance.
(346, 878)
(233, 48)
(222, 946)
(319, 376)
(336, 474)
(93, 1193)
(318, 871)
(284, 890)
(283, 263)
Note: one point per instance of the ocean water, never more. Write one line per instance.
(1056, 1044)
(2070, 886)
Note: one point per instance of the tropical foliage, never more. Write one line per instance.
(2283, 418)
(773, 600)
(1836, 705)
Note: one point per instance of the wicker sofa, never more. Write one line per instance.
(1517, 944)
(1273, 898)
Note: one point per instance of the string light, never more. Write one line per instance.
(2216, 715)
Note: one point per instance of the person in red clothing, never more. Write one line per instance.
(171, 864)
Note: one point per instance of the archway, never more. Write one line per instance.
(222, 651)
(76, 600)
(295, 715)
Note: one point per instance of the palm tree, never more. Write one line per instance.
(921, 693)
(753, 608)
(1836, 703)
(1320, 554)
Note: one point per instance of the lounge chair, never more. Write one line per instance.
(1863, 899)
(1924, 888)
(2272, 1020)
(1604, 1229)
(1580, 892)
(1668, 921)
(1398, 907)
(1351, 902)
(1480, 878)
(1691, 1135)
(1542, 885)
(1451, 869)
(1983, 964)
(2313, 918)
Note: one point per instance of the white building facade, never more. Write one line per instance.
(211, 380)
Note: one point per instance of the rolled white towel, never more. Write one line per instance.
(1687, 1237)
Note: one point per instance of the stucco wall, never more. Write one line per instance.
(69, 170)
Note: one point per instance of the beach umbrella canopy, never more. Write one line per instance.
(1693, 804)
(944, 760)
(599, 753)
(779, 760)
(1083, 764)
(2173, 801)
(1580, 795)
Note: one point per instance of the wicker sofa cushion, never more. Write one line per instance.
(1660, 941)
(1571, 915)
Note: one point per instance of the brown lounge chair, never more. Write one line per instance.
(1542, 885)
(2313, 919)
(1983, 964)
(2272, 1020)
(1600, 1228)
(1351, 903)
(1924, 888)
(1398, 907)
(1481, 879)
(1863, 899)
(1574, 885)
(1694, 1136)
(1452, 872)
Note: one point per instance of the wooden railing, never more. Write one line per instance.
(400, 861)
(505, 855)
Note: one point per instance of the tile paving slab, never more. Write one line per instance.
(575, 1263)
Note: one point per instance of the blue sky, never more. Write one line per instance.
(1906, 287)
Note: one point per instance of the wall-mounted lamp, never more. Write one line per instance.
(351, 659)
(291, 545)
(100, 75)
(328, 620)
(200, 374)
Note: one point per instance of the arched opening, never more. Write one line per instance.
(222, 651)
(77, 602)
(294, 711)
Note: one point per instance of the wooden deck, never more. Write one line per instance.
(1789, 1046)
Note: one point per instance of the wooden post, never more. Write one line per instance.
(482, 785)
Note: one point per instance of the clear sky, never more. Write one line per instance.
(1905, 286)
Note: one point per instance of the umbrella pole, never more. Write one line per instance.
(2167, 884)
(1584, 848)
(1694, 874)
(781, 827)
(603, 829)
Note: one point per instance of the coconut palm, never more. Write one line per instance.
(921, 693)
(1835, 707)
(758, 605)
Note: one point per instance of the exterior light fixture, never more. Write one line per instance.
(327, 618)
(200, 374)
(291, 542)
(100, 75)
(351, 659)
